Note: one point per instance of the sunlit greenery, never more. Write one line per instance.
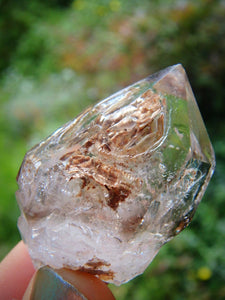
(59, 56)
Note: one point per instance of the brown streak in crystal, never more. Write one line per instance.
(89, 166)
(88, 144)
(79, 159)
(102, 174)
(130, 225)
(103, 275)
(125, 134)
(106, 147)
(96, 263)
(183, 224)
(116, 195)
(85, 182)
(107, 172)
(67, 155)
(31, 216)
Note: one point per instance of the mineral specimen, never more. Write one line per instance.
(104, 192)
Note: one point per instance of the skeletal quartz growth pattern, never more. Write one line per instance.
(104, 192)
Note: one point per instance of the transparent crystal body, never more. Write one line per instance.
(104, 192)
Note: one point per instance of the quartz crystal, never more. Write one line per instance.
(105, 191)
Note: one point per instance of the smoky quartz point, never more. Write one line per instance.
(104, 192)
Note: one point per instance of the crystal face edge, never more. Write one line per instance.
(112, 186)
(176, 82)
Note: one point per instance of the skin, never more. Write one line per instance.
(17, 275)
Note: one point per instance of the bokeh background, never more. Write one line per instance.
(59, 56)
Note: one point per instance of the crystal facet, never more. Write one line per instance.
(104, 192)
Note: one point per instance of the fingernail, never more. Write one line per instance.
(49, 285)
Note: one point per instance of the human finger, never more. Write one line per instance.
(16, 270)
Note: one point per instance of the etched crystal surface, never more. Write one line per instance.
(104, 192)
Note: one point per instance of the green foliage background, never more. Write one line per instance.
(59, 56)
